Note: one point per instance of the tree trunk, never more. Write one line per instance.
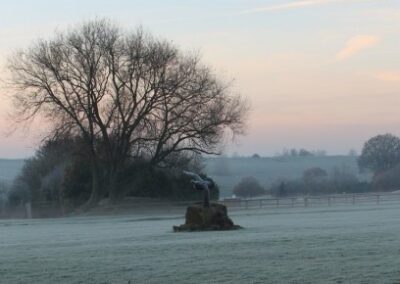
(94, 195)
(206, 202)
(113, 186)
(112, 191)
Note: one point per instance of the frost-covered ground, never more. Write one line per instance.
(359, 244)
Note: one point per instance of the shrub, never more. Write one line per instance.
(162, 183)
(76, 184)
(388, 180)
(248, 187)
(316, 182)
(314, 173)
(60, 173)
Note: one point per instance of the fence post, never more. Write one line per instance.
(277, 202)
(354, 199)
(329, 201)
(246, 205)
(377, 199)
(260, 203)
(305, 201)
(292, 202)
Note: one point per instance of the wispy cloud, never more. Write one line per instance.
(355, 45)
(290, 5)
(388, 76)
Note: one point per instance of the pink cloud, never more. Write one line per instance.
(388, 76)
(356, 45)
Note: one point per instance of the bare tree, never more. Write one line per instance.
(65, 79)
(126, 94)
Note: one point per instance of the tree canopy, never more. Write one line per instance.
(380, 153)
(248, 187)
(314, 173)
(127, 94)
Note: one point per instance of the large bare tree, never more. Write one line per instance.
(127, 94)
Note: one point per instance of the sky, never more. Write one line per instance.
(319, 74)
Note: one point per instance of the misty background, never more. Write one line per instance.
(228, 171)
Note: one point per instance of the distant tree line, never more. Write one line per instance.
(317, 181)
(380, 156)
(301, 153)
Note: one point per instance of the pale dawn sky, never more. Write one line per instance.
(320, 74)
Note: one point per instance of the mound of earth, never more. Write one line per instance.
(213, 218)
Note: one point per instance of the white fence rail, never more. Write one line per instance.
(307, 201)
(146, 206)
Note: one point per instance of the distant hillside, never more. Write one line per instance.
(227, 172)
(9, 169)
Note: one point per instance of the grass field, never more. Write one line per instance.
(341, 244)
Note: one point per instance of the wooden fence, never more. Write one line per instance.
(146, 206)
(308, 201)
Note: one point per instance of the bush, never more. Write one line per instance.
(76, 184)
(162, 183)
(388, 180)
(4, 188)
(290, 187)
(41, 175)
(314, 173)
(19, 193)
(60, 173)
(248, 187)
(315, 181)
